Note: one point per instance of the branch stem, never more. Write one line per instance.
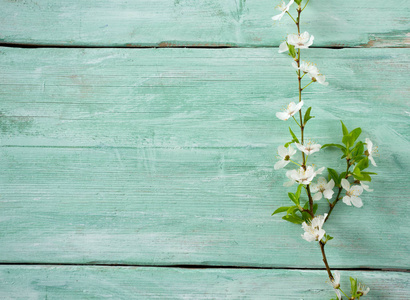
(322, 248)
(333, 204)
(291, 17)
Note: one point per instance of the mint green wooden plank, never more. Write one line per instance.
(200, 23)
(165, 156)
(72, 282)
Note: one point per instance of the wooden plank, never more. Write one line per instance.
(209, 23)
(165, 156)
(81, 282)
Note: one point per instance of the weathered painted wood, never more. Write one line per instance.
(214, 23)
(72, 282)
(165, 156)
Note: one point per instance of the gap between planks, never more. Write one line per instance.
(159, 46)
(196, 266)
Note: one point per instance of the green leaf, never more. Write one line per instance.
(306, 206)
(353, 285)
(293, 198)
(305, 216)
(361, 176)
(315, 206)
(293, 219)
(281, 209)
(291, 210)
(298, 2)
(293, 135)
(341, 147)
(333, 174)
(363, 164)
(328, 237)
(355, 133)
(357, 151)
(307, 116)
(299, 190)
(345, 131)
(292, 51)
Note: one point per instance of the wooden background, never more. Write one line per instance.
(138, 140)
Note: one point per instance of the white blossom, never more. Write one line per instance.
(301, 41)
(352, 193)
(285, 154)
(283, 47)
(306, 67)
(309, 149)
(283, 7)
(290, 110)
(291, 181)
(362, 289)
(365, 186)
(313, 230)
(303, 176)
(336, 284)
(370, 151)
(312, 71)
(322, 188)
(321, 79)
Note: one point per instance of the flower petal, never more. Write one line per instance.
(356, 201)
(346, 199)
(328, 194)
(372, 161)
(345, 184)
(283, 115)
(300, 147)
(291, 151)
(321, 233)
(283, 47)
(278, 17)
(356, 190)
(317, 196)
(365, 186)
(330, 185)
(282, 151)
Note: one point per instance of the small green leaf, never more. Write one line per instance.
(341, 147)
(307, 116)
(315, 206)
(281, 209)
(293, 198)
(360, 175)
(369, 173)
(292, 210)
(345, 131)
(298, 2)
(298, 192)
(363, 164)
(306, 206)
(293, 135)
(355, 133)
(288, 143)
(353, 285)
(333, 174)
(293, 219)
(292, 51)
(357, 151)
(305, 216)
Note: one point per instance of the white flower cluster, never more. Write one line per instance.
(305, 174)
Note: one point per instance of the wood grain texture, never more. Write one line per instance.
(165, 156)
(71, 282)
(212, 23)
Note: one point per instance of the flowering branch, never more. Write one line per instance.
(303, 211)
